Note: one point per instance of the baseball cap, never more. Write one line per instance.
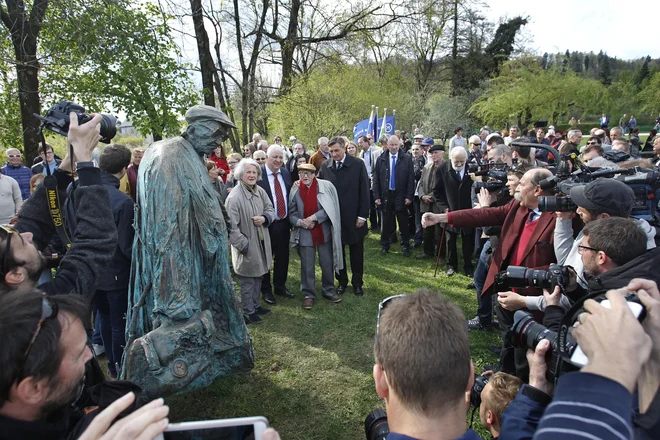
(605, 195)
(427, 141)
(419, 136)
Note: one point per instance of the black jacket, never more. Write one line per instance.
(403, 176)
(93, 241)
(451, 192)
(352, 184)
(117, 273)
(645, 266)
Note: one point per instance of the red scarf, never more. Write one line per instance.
(311, 204)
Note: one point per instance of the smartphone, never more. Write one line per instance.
(244, 428)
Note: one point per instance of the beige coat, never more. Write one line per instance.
(426, 188)
(250, 256)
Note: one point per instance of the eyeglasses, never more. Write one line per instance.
(593, 143)
(48, 311)
(582, 249)
(261, 159)
(14, 155)
(476, 143)
(384, 303)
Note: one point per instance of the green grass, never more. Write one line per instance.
(312, 375)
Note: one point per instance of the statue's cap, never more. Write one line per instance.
(207, 113)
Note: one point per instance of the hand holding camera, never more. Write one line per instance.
(84, 138)
(613, 340)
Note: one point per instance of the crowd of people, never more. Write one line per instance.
(276, 198)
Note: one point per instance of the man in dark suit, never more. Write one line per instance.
(394, 189)
(526, 240)
(453, 191)
(276, 181)
(349, 175)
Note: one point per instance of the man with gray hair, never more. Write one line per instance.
(16, 170)
(574, 137)
(452, 192)
(322, 154)
(276, 181)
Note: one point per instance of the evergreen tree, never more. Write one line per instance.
(544, 61)
(576, 62)
(643, 72)
(587, 60)
(604, 72)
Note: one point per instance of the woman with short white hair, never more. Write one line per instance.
(250, 212)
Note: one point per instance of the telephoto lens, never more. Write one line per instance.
(375, 425)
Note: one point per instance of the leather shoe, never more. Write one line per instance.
(475, 324)
(450, 271)
(470, 286)
(341, 289)
(406, 252)
(269, 298)
(384, 251)
(358, 290)
(253, 319)
(333, 298)
(308, 303)
(263, 311)
(285, 293)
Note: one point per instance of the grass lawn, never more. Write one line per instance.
(312, 375)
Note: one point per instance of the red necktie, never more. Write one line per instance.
(279, 197)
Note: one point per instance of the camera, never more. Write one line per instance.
(375, 425)
(496, 180)
(556, 203)
(518, 276)
(565, 354)
(57, 120)
(480, 383)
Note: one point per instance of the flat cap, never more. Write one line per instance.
(605, 195)
(437, 148)
(207, 113)
(307, 167)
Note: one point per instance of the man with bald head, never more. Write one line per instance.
(526, 240)
(453, 192)
(394, 189)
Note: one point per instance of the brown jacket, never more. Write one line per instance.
(317, 159)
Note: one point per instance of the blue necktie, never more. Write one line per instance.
(392, 179)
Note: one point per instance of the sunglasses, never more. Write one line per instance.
(593, 143)
(14, 155)
(384, 303)
(48, 311)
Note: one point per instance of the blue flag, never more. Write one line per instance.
(389, 125)
(361, 129)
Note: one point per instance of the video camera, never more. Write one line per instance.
(518, 276)
(565, 354)
(57, 120)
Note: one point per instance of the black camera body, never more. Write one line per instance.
(57, 120)
(496, 180)
(376, 426)
(518, 276)
(480, 383)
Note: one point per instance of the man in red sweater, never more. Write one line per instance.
(526, 240)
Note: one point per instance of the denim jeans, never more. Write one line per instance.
(111, 308)
(485, 310)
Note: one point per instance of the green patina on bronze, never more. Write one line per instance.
(184, 322)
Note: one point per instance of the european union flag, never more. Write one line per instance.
(361, 129)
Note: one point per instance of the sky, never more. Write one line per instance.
(624, 30)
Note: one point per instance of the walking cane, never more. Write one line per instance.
(442, 238)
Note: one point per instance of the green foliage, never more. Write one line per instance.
(122, 55)
(333, 98)
(523, 92)
(650, 95)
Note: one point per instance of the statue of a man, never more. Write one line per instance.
(184, 321)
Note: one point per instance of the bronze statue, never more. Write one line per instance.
(184, 321)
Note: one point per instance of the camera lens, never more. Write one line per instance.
(108, 128)
(528, 333)
(375, 425)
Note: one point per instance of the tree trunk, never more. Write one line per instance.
(203, 47)
(454, 53)
(288, 47)
(28, 85)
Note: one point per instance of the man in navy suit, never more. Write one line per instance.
(394, 189)
(276, 181)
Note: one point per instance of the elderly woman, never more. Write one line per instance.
(314, 214)
(260, 157)
(250, 212)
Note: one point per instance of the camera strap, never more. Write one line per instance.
(53, 199)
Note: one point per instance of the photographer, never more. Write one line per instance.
(421, 339)
(526, 241)
(496, 396)
(602, 198)
(43, 359)
(597, 402)
(94, 240)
